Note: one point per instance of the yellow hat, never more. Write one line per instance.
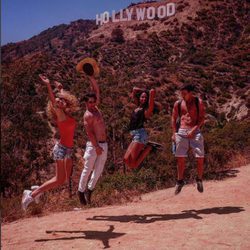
(88, 66)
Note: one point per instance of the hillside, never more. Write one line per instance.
(205, 43)
(216, 219)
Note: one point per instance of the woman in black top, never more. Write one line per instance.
(139, 148)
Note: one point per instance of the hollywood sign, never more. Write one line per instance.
(141, 14)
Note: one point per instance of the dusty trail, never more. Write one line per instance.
(217, 219)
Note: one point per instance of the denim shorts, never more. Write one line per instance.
(183, 144)
(61, 152)
(139, 135)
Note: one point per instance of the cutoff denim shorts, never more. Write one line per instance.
(139, 135)
(183, 144)
(61, 152)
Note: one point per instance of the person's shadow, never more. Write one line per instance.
(88, 235)
(185, 214)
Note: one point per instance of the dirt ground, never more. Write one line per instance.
(217, 219)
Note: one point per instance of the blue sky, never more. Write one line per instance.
(22, 19)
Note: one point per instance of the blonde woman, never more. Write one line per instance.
(59, 109)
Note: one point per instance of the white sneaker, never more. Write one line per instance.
(26, 199)
(37, 198)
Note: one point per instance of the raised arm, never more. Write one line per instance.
(151, 100)
(47, 82)
(59, 86)
(95, 88)
(135, 91)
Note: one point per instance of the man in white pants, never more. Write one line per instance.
(96, 148)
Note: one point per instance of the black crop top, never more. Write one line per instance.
(137, 119)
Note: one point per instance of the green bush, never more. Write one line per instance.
(117, 35)
(223, 143)
(203, 57)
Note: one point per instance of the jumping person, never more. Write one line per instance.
(59, 89)
(96, 150)
(190, 113)
(139, 148)
(59, 109)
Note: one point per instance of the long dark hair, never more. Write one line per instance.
(138, 95)
(157, 105)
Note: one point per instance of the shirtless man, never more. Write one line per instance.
(96, 148)
(191, 112)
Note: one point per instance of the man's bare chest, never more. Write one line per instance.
(189, 109)
(97, 118)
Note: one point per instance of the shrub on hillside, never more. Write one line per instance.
(223, 143)
(142, 26)
(117, 35)
(203, 57)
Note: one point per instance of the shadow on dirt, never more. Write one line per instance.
(223, 174)
(186, 214)
(88, 235)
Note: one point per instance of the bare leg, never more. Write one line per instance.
(68, 168)
(181, 167)
(142, 156)
(128, 153)
(56, 181)
(135, 154)
(132, 153)
(200, 163)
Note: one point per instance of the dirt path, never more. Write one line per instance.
(217, 219)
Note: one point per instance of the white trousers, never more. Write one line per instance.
(92, 163)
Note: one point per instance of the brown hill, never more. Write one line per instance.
(205, 43)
